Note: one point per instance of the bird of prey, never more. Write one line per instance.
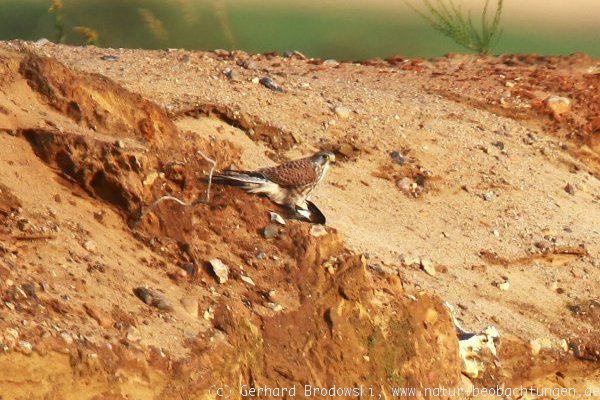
(289, 184)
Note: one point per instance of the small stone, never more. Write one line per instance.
(271, 231)
(220, 270)
(275, 307)
(318, 231)
(23, 224)
(66, 337)
(228, 72)
(249, 64)
(397, 157)
(558, 105)
(255, 80)
(331, 63)
(488, 196)
(427, 266)
(342, 112)
(504, 286)
(25, 347)
(538, 344)
(133, 335)
(499, 144)
(153, 298)
(89, 246)
(109, 58)
(271, 84)
(570, 189)
(277, 218)
(29, 289)
(404, 185)
(11, 335)
(208, 314)
(247, 279)
(544, 245)
(190, 305)
(42, 42)
(273, 296)
(150, 178)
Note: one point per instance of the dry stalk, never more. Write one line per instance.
(206, 200)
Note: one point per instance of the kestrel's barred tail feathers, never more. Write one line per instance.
(252, 182)
(239, 178)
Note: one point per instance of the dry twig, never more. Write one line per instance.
(181, 202)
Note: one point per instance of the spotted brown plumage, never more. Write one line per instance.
(292, 173)
(289, 184)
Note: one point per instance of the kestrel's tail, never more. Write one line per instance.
(243, 179)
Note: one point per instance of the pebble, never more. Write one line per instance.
(11, 335)
(271, 84)
(89, 246)
(318, 231)
(109, 58)
(220, 270)
(66, 337)
(275, 307)
(331, 63)
(543, 245)
(427, 266)
(249, 64)
(277, 218)
(404, 185)
(190, 305)
(133, 335)
(150, 178)
(540, 343)
(153, 298)
(25, 347)
(271, 231)
(247, 279)
(342, 112)
(488, 196)
(499, 144)
(397, 157)
(570, 189)
(228, 72)
(504, 286)
(558, 105)
(208, 314)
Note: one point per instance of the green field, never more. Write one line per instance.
(334, 32)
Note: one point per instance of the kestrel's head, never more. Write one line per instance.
(323, 158)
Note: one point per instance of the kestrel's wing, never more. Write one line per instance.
(291, 174)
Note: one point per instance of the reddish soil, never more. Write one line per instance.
(491, 187)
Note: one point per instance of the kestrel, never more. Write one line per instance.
(289, 184)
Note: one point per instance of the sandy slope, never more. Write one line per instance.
(488, 204)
